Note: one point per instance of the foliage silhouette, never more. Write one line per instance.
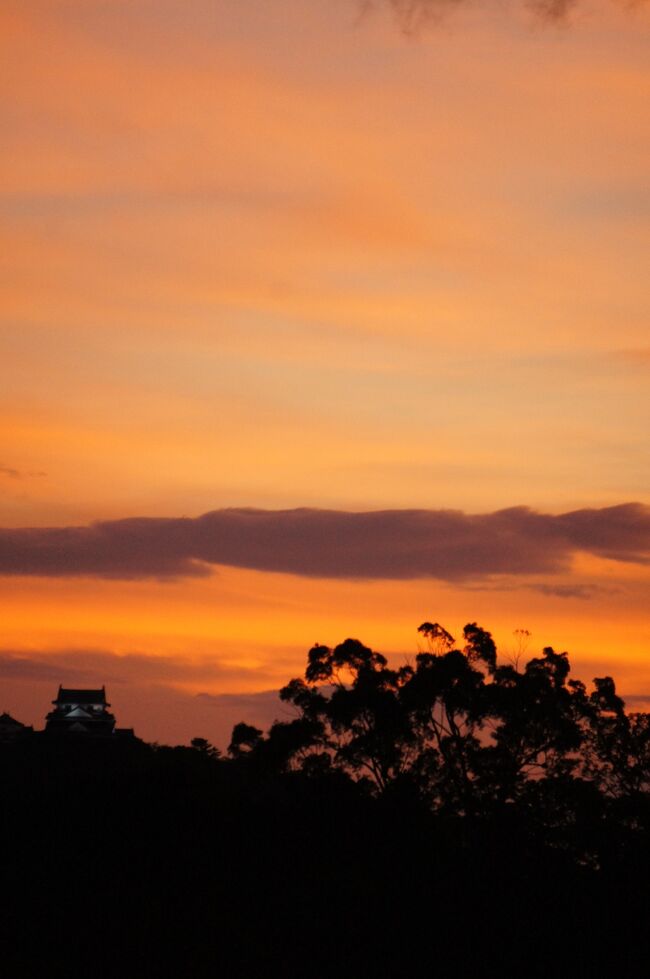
(472, 739)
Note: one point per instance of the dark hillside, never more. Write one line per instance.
(123, 859)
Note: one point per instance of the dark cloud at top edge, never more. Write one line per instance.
(448, 545)
(412, 15)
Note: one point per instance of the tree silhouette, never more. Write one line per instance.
(470, 735)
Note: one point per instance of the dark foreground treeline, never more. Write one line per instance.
(455, 817)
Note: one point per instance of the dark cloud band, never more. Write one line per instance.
(445, 544)
(413, 14)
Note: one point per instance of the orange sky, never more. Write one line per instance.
(272, 254)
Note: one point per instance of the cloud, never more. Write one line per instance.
(637, 702)
(263, 705)
(12, 473)
(583, 592)
(100, 666)
(220, 700)
(639, 357)
(17, 667)
(448, 545)
(411, 15)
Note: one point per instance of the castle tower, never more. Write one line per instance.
(80, 712)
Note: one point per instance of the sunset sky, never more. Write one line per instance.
(263, 256)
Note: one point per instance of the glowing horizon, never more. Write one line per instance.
(275, 256)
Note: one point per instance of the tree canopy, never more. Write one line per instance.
(466, 733)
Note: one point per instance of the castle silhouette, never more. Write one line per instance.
(77, 713)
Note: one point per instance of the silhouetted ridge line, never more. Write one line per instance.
(460, 815)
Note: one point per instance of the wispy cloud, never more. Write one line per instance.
(449, 545)
(411, 15)
(10, 473)
(95, 666)
(638, 357)
(637, 701)
(583, 592)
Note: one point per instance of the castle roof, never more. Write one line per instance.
(79, 696)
